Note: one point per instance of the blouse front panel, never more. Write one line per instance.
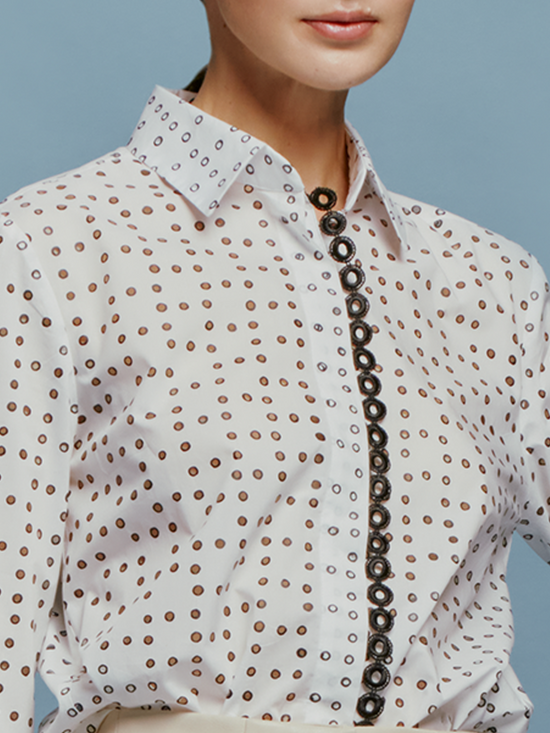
(183, 441)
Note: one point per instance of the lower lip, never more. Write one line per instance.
(342, 31)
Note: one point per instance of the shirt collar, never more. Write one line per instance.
(202, 156)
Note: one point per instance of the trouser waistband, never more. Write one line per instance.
(137, 720)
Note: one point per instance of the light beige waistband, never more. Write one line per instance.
(143, 721)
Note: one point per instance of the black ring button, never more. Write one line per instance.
(370, 706)
(333, 223)
(379, 647)
(364, 359)
(377, 544)
(378, 438)
(376, 676)
(357, 305)
(323, 199)
(380, 488)
(374, 409)
(379, 594)
(342, 249)
(378, 568)
(379, 517)
(369, 384)
(379, 462)
(380, 620)
(352, 277)
(361, 333)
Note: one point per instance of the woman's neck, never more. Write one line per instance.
(304, 125)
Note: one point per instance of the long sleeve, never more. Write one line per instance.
(181, 389)
(533, 411)
(36, 427)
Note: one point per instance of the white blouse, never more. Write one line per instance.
(182, 441)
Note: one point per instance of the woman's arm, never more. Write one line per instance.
(533, 423)
(36, 428)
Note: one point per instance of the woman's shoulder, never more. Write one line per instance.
(71, 193)
(458, 242)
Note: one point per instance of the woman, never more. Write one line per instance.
(235, 366)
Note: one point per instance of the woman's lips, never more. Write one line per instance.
(341, 30)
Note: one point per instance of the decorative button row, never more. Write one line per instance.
(342, 249)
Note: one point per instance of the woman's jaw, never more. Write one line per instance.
(282, 70)
(329, 45)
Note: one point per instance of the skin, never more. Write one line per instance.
(275, 76)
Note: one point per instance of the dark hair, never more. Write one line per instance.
(197, 81)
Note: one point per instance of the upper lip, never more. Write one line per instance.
(343, 17)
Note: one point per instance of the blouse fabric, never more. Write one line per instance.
(182, 442)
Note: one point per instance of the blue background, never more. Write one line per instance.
(459, 119)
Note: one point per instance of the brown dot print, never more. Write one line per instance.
(183, 441)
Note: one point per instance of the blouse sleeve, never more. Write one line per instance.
(36, 428)
(533, 409)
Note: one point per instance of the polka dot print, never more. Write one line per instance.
(182, 441)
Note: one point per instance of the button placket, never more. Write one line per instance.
(342, 526)
(342, 249)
